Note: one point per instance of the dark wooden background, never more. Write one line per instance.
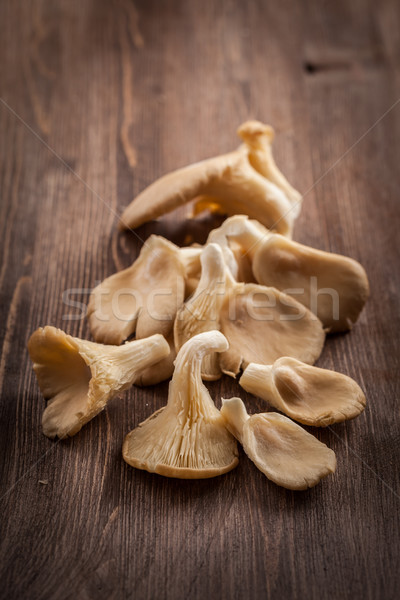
(98, 99)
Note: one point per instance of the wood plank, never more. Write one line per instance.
(102, 98)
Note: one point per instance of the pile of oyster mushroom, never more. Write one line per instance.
(251, 301)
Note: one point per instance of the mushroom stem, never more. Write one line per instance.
(201, 312)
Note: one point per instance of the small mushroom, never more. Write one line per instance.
(263, 324)
(233, 183)
(332, 286)
(307, 394)
(79, 377)
(282, 450)
(187, 438)
(201, 312)
(143, 298)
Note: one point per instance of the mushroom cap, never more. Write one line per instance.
(310, 395)
(79, 377)
(334, 287)
(281, 449)
(263, 324)
(143, 298)
(186, 439)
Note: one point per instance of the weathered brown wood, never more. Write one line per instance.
(99, 99)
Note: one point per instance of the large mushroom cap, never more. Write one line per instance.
(334, 287)
(187, 439)
(263, 324)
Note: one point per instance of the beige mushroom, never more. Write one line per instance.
(307, 394)
(187, 438)
(79, 377)
(233, 183)
(332, 286)
(143, 298)
(201, 312)
(282, 450)
(263, 324)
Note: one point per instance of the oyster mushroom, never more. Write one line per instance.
(263, 324)
(187, 438)
(143, 298)
(79, 377)
(307, 394)
(332, 286)
(282, 450)
(232, 183)
(201, 312)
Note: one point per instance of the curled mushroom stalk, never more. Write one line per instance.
(186, 439)
(307, 394)
(244, 181)
(332, 286)
(78, 377)
(282, 450)
(142, 299)
(201, 311)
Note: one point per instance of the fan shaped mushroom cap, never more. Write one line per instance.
(307, 394)
(201, 312)
(263, 324)
(79, 377)
(334, 287)
(282, 450)
(143, 298)
(234, 182)
(187, 438)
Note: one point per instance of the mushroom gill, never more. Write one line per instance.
(186, 439)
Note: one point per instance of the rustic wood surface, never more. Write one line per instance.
(99, 98)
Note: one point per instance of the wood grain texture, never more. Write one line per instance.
(98, 99)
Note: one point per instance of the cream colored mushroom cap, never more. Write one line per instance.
(281, 449)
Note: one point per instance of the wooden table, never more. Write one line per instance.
(97, 100)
